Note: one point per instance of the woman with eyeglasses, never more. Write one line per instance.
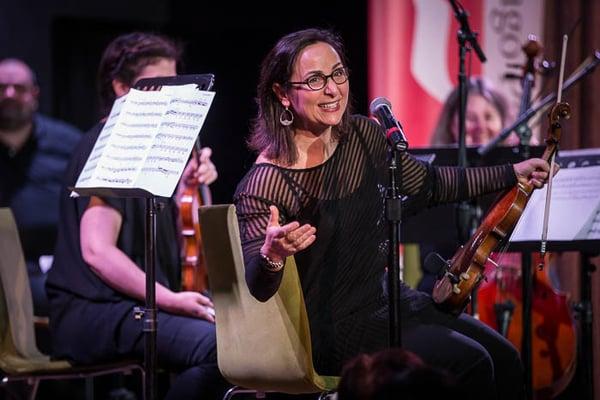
(315, 193)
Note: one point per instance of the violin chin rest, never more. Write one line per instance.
(435, 265)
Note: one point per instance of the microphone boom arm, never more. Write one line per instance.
(465, 30)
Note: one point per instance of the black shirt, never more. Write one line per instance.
(71, 274)
(71, 278)
(31, 179)
(343, 272)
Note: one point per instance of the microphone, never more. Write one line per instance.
(382, 109)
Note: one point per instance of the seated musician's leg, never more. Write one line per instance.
(486, 363)
(188, 347)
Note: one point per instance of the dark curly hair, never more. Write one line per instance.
(126, 56)
(267, 133)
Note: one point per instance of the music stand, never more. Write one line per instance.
(150, 323)
(416, 228)
(585, 363)
(157, 181)
(587, 247)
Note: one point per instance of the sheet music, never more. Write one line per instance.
(147, 140)
(594, 230)
(573, 211)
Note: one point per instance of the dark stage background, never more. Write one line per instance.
(63, 40)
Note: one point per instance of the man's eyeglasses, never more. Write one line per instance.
(319, 81)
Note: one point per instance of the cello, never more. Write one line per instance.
(194, 276)
(466, 271)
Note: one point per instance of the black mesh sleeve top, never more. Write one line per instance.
(343, 272)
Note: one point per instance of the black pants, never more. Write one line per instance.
(186, 346)
(88, 332)
(486, 364)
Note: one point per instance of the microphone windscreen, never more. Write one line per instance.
(378, 102)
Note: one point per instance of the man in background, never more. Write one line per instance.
(34, 152)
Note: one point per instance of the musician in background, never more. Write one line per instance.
(487, 113)
(34, 153)
(98, 277)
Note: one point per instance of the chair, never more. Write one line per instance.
(20, 359)
(261, 347)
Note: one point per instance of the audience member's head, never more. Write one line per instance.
(18, 94)
(131, 57)
(487, 113)
(394, 374)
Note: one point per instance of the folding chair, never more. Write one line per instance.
(20, 359)
(261, 347)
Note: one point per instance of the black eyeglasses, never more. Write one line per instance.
(318, 81)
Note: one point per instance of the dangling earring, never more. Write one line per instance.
(286, 117)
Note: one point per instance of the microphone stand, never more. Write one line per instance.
(466, 211)
(393, 214)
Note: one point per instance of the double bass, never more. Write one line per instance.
(466, 271)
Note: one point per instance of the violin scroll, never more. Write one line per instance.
(559, 111)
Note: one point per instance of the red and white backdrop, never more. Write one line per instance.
(413, 53)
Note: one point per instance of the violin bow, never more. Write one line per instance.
(544, 240)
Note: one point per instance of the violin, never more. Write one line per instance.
(466, 268)
(554, 338)
(194, 276)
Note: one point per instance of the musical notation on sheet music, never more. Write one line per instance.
(147, 139)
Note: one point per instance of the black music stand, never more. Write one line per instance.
(416, 228)
(587, 248)
(148, 313)
(444, 239)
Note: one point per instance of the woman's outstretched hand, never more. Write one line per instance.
(286, 240)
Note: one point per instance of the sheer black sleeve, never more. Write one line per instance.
(354, 177)
(262, 187)
(435, 184)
